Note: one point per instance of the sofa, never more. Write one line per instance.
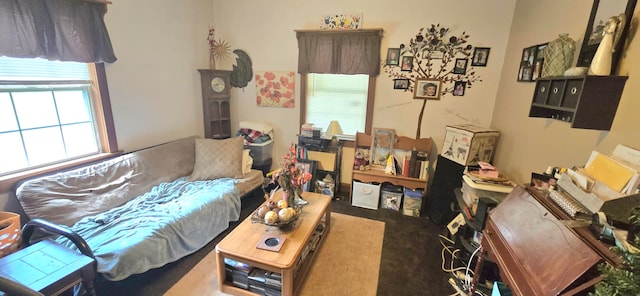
(147, 208)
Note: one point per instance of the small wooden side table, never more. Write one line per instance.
(49, 268)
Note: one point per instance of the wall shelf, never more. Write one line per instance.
(588, 102)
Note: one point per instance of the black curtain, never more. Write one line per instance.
(339, 51)
(63, 30)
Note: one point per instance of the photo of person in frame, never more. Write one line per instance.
(393, 56)
(459, 87)
(460, 66)
(427, 88)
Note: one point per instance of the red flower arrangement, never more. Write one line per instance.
(290, 176)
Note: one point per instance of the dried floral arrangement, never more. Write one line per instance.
(434, 54)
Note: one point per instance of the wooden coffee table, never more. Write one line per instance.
(290, 261)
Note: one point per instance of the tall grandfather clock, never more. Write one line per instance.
(216, 97)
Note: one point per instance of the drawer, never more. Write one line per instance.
(572, 93)
(542, 92)
(555, 93)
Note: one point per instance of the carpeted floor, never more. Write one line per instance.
(410, 264)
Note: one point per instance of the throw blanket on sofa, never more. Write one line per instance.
(172, 220)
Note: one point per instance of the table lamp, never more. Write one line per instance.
(333, 129)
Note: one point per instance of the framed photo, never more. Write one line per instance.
(308, 166)
(538, 62)
(459, 87)
(427, 89)
(401, 83)
(525, 73)
(393, 56)
(480, 56)
(407, 64)
(461, 66)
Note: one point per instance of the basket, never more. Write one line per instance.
(256, 219)
(10, 233)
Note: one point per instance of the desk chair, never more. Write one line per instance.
(46, 266)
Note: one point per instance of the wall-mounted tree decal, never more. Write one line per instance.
(433, 55)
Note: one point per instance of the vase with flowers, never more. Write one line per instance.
(291, 177)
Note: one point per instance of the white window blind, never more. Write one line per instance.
(337, 97)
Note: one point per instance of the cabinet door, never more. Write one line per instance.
(542, 92)
(572, 93)
(555, 92)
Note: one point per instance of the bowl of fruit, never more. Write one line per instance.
(278, 214)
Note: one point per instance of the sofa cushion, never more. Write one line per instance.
(217, 159)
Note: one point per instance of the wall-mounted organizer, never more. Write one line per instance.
(588, 102)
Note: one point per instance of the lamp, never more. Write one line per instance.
(333, 129)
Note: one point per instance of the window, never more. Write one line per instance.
(51, 113)
(344, 98)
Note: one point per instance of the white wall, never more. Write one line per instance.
(265, 30)
(531, 144)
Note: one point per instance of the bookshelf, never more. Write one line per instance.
(400, 143)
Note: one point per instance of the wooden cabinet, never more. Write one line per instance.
(216, 95)
(588, 102)
(537, 252)
(363, 141)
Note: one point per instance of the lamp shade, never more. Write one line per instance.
(333, 129)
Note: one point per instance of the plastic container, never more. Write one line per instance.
(10, 233)
(412, 202)
(390, 196)
(260, 151)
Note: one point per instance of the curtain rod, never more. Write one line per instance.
(338, 31)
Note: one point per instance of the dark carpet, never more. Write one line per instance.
(410, 264)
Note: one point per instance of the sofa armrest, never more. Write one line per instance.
(53, 228)
(12, 287)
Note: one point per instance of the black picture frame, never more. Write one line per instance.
(393, 56)
(459, 87)
(407, 64)
(308, 166)
(420, 90)
(401, 83)
(460, 66)
(538, 62)
(527, 60)
(480, 56)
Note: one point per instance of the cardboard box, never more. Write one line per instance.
(467, 144)
(260, 152)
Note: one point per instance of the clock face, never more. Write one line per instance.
(217, 84)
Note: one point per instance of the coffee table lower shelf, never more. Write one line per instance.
(290, 262)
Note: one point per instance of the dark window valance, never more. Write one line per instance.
(64, 30)
(339, 51)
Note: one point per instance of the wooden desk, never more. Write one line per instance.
(537, 254)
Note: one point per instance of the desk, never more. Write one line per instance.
(535, 252)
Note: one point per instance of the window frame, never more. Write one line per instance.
(370, 100)
(104, 125)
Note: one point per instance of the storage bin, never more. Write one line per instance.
(467, 144)
(390, 196)
(260, 152)
(10, 233)
(412, 202)
(365, 195)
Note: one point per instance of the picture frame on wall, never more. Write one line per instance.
(400, 83)
(538, 62)
(459, 88)
(527, 61)
(393, 56)
(308, 166)
(460, 66)
(427, 89)
(407, 64)
(480, 56)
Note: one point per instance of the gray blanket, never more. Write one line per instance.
(172, 220)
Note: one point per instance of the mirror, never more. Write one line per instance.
(600, 13)
(381, 145)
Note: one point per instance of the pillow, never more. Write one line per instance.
(247, 161)
(217, 159)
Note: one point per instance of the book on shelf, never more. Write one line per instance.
(412, 164)
(406, 166)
